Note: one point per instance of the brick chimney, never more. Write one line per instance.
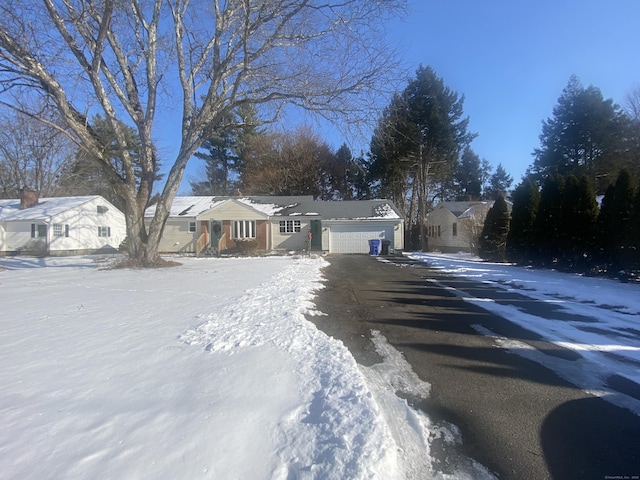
(28, 198)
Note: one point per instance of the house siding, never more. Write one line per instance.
(442, 238)
(176, 237)
(290, 241)
(232, 210)
(83, 221)
(468, 226)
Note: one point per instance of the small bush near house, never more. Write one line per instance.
(35, 247)
(247, 247)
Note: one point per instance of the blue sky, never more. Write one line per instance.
(511, 59)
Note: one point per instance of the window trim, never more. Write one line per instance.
(194, 224)
(38, 230)
(104, 229)
(60, 230)
(290, 226)
(244, 229)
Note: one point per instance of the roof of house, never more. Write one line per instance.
(192, 206)
(460, 209)
(468, 209)
(345, 210)
(46, 208)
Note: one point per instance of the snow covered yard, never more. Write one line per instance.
(207, 370)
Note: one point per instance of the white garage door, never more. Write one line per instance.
(355, 238)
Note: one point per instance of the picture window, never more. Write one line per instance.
(290, 226)
(244, 229)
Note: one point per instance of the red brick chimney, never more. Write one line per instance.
(28, 198)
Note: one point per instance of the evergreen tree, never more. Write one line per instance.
(585, 136)
(469, 176)
(521, 237)
(493, 239)
(417, 143)
(579, 222)
(616, 221)
(356, 184)
(223, 152)
(548, 223)
(634, 243)
(500, 182)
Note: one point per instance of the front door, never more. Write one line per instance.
(316, 231)
(216, 233)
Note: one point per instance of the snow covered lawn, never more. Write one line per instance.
(207, 370)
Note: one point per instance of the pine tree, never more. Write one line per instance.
(635, 232)
(469, 176)
(579, 222)
(615, 222)
(548, 224)
(500, 182)
(493, 239)
(520, 240)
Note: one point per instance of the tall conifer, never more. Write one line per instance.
(493, 239)
(521, 237)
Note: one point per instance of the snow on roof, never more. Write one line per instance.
(192, 205)
(189, 206)
(345, 210)
(46, 208)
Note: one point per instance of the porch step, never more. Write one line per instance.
(209, 252)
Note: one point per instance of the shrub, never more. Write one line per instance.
(247, 246)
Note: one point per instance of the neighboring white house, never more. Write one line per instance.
(59, 226)
(213, 224)
(456, 226)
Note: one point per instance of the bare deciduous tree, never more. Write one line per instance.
(32, 155)
(127, 59)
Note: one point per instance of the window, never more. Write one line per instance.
(104, 231)
(60, 230)
(289, 226)
(38, 231)
(192, 227)
(244, 229)
(455, 229)
(102, 209)
(438, 230)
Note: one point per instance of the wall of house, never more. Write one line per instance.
(296, 241)
(442, 236)
(17, 238)
(232, 210)
(83, 222)
(176, 237)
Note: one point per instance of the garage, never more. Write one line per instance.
(354, 237)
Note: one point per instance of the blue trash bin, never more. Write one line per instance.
(374, 247)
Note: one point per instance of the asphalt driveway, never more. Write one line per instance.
(517, 418)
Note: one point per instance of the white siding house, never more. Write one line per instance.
(456, 226)
(59, 226)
